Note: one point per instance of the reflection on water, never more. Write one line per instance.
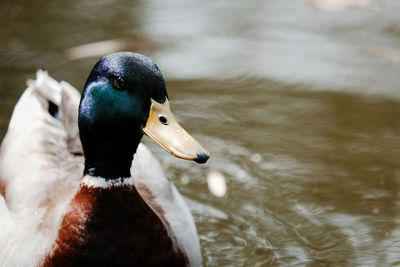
(298, 105)
(325, 189)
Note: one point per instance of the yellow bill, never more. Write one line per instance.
(162, 127)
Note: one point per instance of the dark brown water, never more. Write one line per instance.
(299, 107)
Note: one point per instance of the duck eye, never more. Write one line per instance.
(119, 82)
(163, 120)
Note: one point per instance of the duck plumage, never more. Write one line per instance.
(55, 211)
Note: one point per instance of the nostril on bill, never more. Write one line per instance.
(202, 157)
(163, 120)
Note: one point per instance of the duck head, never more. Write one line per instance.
(125, 97)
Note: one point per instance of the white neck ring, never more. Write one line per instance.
(100, 182)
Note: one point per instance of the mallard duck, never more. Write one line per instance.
(79, 189)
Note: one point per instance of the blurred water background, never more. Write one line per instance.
(298, 102)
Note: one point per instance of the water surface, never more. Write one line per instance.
(298, 105)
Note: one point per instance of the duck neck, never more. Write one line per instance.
(111, 157)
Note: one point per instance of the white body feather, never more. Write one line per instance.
(41, 177)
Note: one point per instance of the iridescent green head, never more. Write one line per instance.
(118, 91)
(123, 91)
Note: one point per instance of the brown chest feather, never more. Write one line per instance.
(112, 227)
